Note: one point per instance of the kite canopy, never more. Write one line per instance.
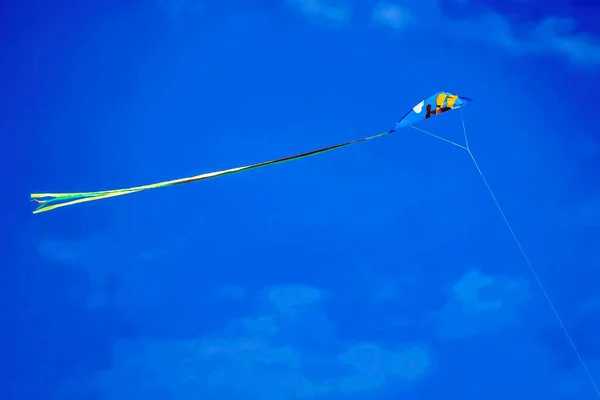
(436, 104)
(433, 105)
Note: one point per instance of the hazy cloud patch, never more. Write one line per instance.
(480, 303)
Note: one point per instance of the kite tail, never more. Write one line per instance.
(51, 201)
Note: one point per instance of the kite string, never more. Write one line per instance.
(529, 264)
(439, 137)
(520, 247)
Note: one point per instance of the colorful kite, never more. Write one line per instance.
(434, 105)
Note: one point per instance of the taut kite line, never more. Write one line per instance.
(436, 104)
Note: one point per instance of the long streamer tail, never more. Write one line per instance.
(50, 201)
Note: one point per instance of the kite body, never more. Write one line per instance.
(436, 104)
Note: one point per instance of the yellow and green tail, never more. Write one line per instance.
(51, 201)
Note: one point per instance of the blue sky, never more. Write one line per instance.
(379, 271)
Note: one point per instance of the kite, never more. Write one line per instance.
(439, 103)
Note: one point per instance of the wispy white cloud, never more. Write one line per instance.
(480, 303)
(373, 364)
(264, 355)
(558, 35)
(287, 299)
(551, 36)
(391, 14)
(323, 10)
